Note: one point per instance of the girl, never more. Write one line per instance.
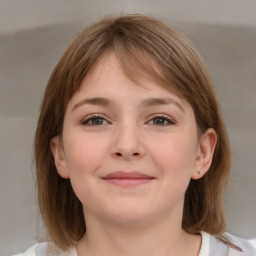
(132, 155)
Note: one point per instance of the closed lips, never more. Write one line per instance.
(127, 179)
(127, 175)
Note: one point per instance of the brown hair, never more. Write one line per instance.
(144, 46)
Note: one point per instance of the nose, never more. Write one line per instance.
(128, 143)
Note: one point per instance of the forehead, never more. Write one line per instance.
(107, 82)
(141, 71)
(108, 74)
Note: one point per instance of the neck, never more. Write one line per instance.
(164, 238)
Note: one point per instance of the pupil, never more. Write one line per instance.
(159, 121)
(97, 121)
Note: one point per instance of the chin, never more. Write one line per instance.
(131, 217)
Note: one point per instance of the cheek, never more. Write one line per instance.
(174, 159)
(83, 154)
(176, 156)
(83, 158)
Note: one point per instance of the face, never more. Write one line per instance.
(129, 150)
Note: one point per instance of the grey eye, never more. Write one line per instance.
(161, 121)
(97, 120)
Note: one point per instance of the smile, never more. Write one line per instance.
(127, 179)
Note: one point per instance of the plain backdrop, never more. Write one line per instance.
(33, 36)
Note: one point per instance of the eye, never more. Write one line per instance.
(94, 121)
(161, 121)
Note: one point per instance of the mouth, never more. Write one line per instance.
(127, 179)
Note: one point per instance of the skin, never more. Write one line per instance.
(112, 124)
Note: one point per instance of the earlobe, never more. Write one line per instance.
(204, 154)
(59, 157)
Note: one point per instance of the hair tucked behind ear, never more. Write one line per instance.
(144, 47)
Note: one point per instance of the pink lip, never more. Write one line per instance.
(126, 179)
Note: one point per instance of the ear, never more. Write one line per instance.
(59, 157)
(204, 155)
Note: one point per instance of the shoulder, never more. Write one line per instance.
(29, 252)
(235, 246)
(246, 246)
(46, 249)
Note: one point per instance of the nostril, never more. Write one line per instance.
(134, 154)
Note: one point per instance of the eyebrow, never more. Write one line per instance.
(161, 101)
(100, 101)
(94, 101)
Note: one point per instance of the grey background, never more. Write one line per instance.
(33, 36)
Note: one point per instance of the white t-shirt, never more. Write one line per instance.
(205, 246)
(40, 249)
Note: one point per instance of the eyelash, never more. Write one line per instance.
(91, 118)
(165, 119)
